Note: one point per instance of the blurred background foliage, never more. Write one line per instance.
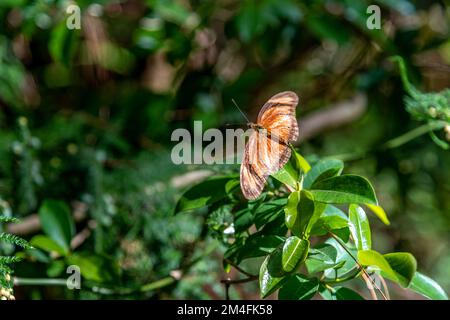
(86, 118)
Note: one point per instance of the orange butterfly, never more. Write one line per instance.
(267, 149)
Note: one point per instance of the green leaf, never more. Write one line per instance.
(256, 245)
(300, 163)
(47, 244)
(344, 189)
(55, 268)
(291, 209)
(301, 217)
(271, 275)
(288, 175)
(322, 170)
(206, 193)
(57, 222)
(94, 267)
(379, 212)
(398, 267)
(340, 293)
(403, 263)
(345, 265)
(427, 287)
(299, 287)
(360, 228)
(63, 43)
(332, 219)
(268, 212)
(295, 251)
(322, 257)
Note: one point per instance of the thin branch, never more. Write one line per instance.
(369, 286)
(359, 265)
(248, 274)
(385, 287)
(238, 281)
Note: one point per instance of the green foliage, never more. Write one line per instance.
(430, 107)
(6, 261)
(311, 212)
(86, 118)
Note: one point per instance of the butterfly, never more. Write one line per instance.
(267, 149)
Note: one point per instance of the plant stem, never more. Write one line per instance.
(393, 143)
(359, 265)
(229, 281)
(414, 133)
(39, 282)
(248, 274)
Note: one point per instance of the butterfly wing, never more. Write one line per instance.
(268, 150)
(278, 116)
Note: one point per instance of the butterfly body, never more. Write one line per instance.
(267, 149)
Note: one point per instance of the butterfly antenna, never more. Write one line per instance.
(240, 110)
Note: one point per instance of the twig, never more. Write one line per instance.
(369, 286)
(393, 143)
(359, 265)
(248, 274)
(385, 288)
(237, 281)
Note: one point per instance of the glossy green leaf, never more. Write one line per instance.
(427, 287)
(291, 209)
(288, 175)
(300, 219)
(322, 170)
(47, 244)
(360, 228)
(321, 258)
(345, 264)
(399, 267)
(268, 212)
(57, 222)
(344, 189)
(332, 219)
(206, 193)
(300, 163)
(271, 275)
(340, 293)
(299, 287)
(379, 212)
(404, 264)
(295, 251)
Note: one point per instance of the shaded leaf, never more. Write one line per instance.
(299, 287)
(206, 193)
(57, 222)
(47, 244)
(256, 245)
